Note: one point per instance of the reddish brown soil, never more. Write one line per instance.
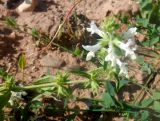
(46, 18)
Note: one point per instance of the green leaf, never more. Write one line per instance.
(109, 25)
(142, 21)
(45, 79)
(154, 41)
(110, 88)
(146, 4)
(1, 115)
(147, 102)
(71, 117)
(77, 51)
(22, 62)
(94, 85)
(154, 15)
(122, 83)
(156, 106)
(105, 65)
(35, 33)
(4, 99)
(35, 105)
(108, 101)
(146, 68)
(124, 18)
(63, 91)
(140, 60)
(81, 73)
(117, 50)
(2, 72)
(11, 22)
(146, 43)
(145, 116)
(156, 95)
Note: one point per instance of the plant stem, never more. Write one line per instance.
(143, 87)
(61, 25)
(46, 85)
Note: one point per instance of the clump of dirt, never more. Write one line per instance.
(101, 8)
(49, 14)
(46, 18)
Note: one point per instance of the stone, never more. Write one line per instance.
(27, 5)
(51, 61)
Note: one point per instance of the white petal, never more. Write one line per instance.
(130, 33)
(131, 42)
(92, 48)
(112, 57)
(122, 45)
(133, 30)
(133, 56)
(123, 68)
(90, 55)
(94, 29)
(129, 48)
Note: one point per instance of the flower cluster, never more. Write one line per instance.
(127, 45)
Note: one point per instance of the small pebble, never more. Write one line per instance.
(13, 35)
(50, 61)
(27, 5)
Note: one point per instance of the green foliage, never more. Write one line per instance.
(35, 33)
(81, 73)
(150, 20)
(4, 98)
(109, 25)
(123, 18)
(36, 105)
(45, 79)
(145, 116)
(156, 106)
(93, 82)
(150, 10)
(60, 87)
(22, 62)
(147, 102)
(1, 116)
(77, 51)
(11, 22)
(108, 102)
(122, 83)
(110, 88)
(156, 95)
(152, 36)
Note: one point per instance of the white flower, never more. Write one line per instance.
(130, 33)
(94, 29)
(92, 49)
(129, 48)
(113, 58)
(123, 68)
(111, 55)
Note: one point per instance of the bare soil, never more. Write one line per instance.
(47, 17)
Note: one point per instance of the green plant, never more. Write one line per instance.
(113, 54)
(148, 21)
